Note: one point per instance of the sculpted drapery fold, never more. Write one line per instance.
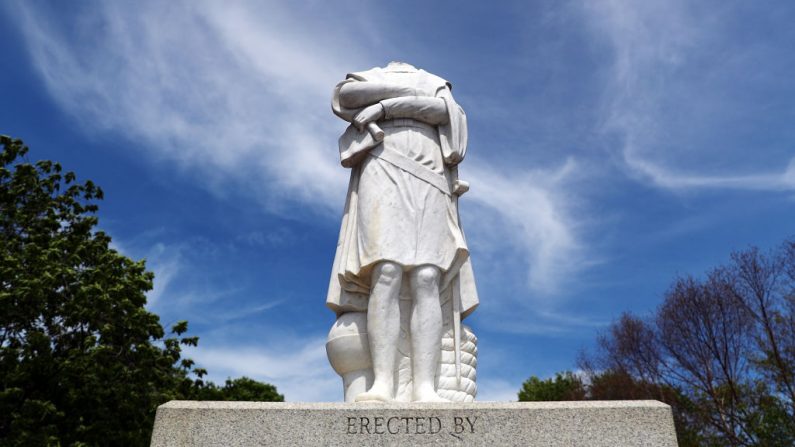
(349, 284)
(402, 280)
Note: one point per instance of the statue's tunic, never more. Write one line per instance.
(391, 214)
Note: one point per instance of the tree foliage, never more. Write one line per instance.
(720, 350)
(240, 389)
(607, 385)
(564, 386)
(82, 362)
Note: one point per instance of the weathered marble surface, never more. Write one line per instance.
(548, 424)
(402, 279)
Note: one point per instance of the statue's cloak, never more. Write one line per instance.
(349, 285)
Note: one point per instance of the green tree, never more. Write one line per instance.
(565, 386)
(82, 362)
(240, 389)
(719, 349)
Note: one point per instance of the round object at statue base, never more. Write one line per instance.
(348, 346)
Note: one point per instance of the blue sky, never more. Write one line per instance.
(613, 146)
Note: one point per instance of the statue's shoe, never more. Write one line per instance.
(374, 394)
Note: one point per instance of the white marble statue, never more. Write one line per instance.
(402, 281)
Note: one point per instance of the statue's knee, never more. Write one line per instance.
(388, 271)
(426, 277)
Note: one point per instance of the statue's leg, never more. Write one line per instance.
(426, 331)
(383, 330)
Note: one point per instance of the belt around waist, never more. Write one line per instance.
(400, 161)
(405, 122)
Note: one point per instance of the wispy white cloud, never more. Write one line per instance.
(545, 322)
(165, 262)
(667, 178)
(166, 265)
(227, 91)
(235, 94)
(279, 237)
(246, 312)
(674, 95)
(497, 390)
(531, 208)
(298, 367)
(186, 287)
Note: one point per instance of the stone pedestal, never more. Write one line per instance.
(596, 423)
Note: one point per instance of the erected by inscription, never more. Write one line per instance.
(430, 425)
(531, 424)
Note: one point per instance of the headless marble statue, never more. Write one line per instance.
(402, 281)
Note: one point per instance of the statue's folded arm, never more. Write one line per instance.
(429, 110)
(354, 95)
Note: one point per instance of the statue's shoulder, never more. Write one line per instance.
(378, 74)
(374, 74)
(435, 81)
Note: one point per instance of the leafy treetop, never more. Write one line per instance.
(82, 361)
